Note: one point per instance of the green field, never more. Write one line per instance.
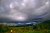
(38, 28)
(28, 29)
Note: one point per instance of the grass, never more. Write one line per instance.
(26, 30)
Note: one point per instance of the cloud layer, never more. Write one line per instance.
(25, 9)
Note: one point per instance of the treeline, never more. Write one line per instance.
(43, 25)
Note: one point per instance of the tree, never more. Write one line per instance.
(3, 28)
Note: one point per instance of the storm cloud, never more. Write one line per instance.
(23, 10)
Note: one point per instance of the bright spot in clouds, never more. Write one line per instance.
(20, 18)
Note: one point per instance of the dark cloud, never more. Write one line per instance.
(32, 9)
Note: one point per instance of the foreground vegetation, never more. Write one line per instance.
(38, 28)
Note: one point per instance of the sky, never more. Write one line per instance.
(23, 10)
